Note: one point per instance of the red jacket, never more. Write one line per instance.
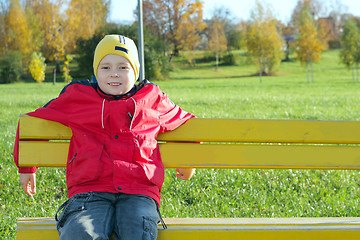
(113, 147)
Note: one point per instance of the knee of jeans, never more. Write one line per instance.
(150, 228)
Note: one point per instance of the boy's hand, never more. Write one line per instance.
(25, 178)
(185, 173)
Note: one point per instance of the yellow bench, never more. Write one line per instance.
(227, 143)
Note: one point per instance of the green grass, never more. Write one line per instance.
(231, 92)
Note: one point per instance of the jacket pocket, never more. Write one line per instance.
(75, 204)
(150, 228)
(84, 161)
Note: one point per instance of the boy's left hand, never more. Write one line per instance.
(185, 173)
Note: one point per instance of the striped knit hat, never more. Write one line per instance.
(118, 45)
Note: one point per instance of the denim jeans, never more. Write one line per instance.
(97, 215)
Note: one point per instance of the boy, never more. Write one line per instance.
(114, 171)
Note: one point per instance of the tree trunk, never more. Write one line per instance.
(260, 70)
(217, 61)
(307, 72)
(54, 80)
(312, 73)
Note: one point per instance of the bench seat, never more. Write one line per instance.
(224, 228)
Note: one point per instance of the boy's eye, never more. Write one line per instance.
(105, 67)
(124, 67)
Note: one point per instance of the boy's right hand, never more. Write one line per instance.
(25, 178)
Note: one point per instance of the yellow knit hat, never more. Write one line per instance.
(118, 45)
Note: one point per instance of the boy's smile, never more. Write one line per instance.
(115, 75)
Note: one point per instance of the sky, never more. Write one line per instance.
(121, 11)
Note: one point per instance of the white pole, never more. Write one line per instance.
(141, 40)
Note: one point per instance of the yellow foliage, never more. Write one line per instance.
(217, 41)
(190, 25)
(264, 42)
(66, 70)
(308, 44)
(19, 33)
(37, 67)
(84, 17)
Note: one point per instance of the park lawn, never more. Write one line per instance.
(230, 92)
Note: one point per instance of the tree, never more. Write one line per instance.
(263, 41)
(187, 35)
(308, 47)
(350, 41)
(4, 11)
(233, 31)
(37, 67)
(336, 14)
(10, 66)
(165, 17)
(18, 32)
(314, 7)
(84, 18)
(35, 28)
(217, 40)
(52, 21)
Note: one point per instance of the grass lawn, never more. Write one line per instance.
(230, 92)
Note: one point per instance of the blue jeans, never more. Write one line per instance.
(97, 215)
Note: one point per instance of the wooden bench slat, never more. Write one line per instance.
(224, 228)
(225, 130)
(265, 131)
(216, 155)
(43, 154)
(37, 128)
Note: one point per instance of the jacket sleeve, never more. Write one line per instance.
(51, 111)
(171, 115)
(55, 110)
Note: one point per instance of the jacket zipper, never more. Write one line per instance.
(72, 158)
(133, 116)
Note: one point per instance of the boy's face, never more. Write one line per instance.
(115, 75)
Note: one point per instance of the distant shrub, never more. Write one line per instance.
(206, 58)
(10, 67)
(229, 59)
(37, 67)
(334, 44)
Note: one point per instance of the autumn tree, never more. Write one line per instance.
(52, 22)
(187, 34)
(3, 33)
(35, 28)
(165, 17)
(263, 41)
(217, 40)
(18, 33)
(314, 7)
(84, 17)
(233, 31)
(350, 41)
(308, 47)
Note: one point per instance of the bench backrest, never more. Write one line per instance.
(226, 143)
